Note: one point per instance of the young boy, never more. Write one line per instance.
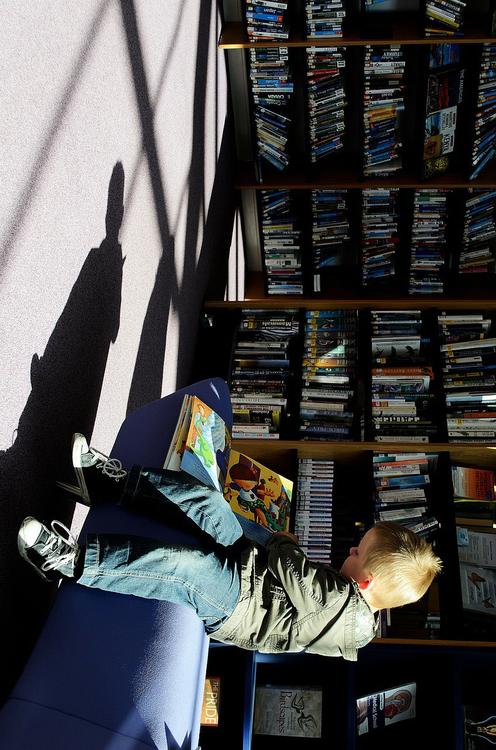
(271, 599)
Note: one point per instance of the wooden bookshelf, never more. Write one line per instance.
(432, 653)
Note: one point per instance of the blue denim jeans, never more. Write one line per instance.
(208, 580)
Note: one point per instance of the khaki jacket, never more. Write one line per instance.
(288, 603)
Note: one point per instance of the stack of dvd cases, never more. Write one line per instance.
(484, 146)
(329, 369)
(325, 18)
(326, 101)
(478, 252)
(428, 247)
(403, 490)
(468, 356)
(282, 240)
(383, 107)
(380, 238)
(261, 371)
(266, 19)
(402, 405)
(313, 519)
(272, 89)
(444, 18)
(330, 232)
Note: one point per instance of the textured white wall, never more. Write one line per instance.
(68, 113)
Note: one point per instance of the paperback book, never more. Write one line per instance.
(385, 708)
(201, 447)
(288, 711)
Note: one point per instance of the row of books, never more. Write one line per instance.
(468, 352)
(314, 508)
(328, 375)
(326, 101)
(330, 232)
(266, 19)
(433, 253)
(402, 406)
(325, 19)
(484, 144)
(261, 372)
(444, 18)
(384, 143)
(404, 402)
(272, 88)
(478, 252)
(383, 105)
(282, 243)
(429, 239)
(380, 234)
(402, 490)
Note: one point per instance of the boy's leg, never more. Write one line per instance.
(207, 581)
(147, 489)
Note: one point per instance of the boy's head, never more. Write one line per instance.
(392, 565)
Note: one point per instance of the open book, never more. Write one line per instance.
(201, 447)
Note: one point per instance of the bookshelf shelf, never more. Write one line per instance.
(337, 298)
(348, 451)
(403, 31)
(329, 177)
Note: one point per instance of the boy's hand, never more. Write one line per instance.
(289, 535)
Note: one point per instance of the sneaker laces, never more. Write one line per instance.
(59, 550)
(112, 468)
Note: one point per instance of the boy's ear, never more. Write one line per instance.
(366, 583)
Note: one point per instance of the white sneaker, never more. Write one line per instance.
(52, 555)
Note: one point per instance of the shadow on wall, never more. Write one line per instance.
(65, 389)
(214, 221)
(67, 381)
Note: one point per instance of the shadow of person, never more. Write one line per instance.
(66, 383)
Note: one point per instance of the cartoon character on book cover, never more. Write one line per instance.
(257, 493)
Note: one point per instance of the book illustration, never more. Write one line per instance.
(385, 708)
(200, 445)
(480, 727)
(257, 493)
(288, 711)
(478, 588)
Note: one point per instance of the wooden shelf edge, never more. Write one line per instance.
(435, 643)
(335, 299)
(321, 447)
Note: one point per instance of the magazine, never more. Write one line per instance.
(386, 707)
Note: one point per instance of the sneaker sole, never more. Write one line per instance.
(80, 446)
(24, 556)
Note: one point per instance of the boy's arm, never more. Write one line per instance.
(305, 582)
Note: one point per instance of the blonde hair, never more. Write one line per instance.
(402, 564)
